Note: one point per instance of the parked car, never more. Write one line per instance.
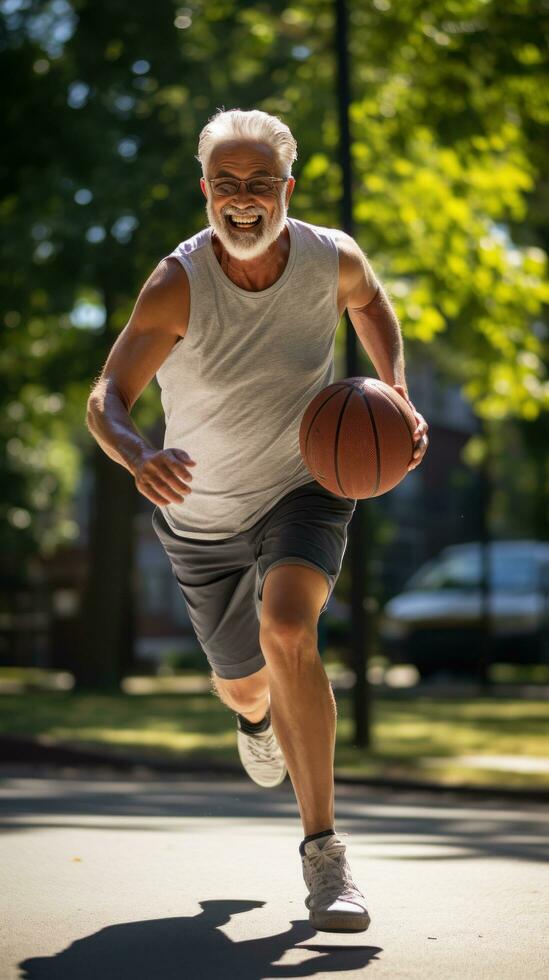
(435, 623)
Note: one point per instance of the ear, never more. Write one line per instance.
(289, 189)
(203, 186)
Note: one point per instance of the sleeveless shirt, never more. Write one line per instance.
(235, 387)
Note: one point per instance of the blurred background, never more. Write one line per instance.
(449, 149)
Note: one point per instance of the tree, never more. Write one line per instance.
(101, 122)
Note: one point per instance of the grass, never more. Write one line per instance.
(406, 732)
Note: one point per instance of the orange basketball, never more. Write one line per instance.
(356, 437)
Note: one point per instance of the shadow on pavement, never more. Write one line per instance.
(448, 828)
(193, 946)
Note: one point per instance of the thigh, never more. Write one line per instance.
(217, 581)
(307, 527)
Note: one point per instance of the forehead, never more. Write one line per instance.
(241, 157)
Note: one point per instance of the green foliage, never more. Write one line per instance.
(103, 104)
(450, 131)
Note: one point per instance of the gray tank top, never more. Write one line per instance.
(235, 387)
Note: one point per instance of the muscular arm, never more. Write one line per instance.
(371, 313)
(159, 319)
(377, 327)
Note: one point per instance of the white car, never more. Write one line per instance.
(436, 622)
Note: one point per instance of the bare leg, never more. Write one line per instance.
(303, 708)
(249, 696)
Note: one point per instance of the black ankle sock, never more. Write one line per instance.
(321, 833)
(253, 727)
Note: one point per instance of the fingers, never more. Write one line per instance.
(182, 456)
(419, 452)
(419, 437)
(165, 477)
(154, 495)
(421, 441)
(171, 486)
(419, 418)
(176, 476)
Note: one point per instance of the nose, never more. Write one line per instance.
(243, 194)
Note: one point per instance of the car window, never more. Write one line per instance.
(514, 573)
(455, 572)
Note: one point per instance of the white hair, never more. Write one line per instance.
(251, 125)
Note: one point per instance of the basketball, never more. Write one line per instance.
(356, 437)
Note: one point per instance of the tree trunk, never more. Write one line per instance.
(534, 436)
(105, 650)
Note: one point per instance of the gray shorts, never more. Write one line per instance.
(222, 580)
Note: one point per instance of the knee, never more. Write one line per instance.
(287, 638)
(242, 694)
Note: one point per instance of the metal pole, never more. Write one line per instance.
(360, 530)
(485, 657)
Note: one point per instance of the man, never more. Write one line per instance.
(238, 324)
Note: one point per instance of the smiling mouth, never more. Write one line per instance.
(243, 222)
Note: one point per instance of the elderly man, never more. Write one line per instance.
(238, 324)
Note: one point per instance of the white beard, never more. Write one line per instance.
(254, 242)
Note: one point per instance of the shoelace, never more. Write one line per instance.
(331, 874)
(263, 746)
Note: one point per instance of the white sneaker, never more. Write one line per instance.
(335, 903)
(261, 756)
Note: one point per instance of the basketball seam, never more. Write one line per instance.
(319, 409)
(399, 410)
(336, 465)
(376, 440)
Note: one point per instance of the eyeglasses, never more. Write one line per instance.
(227, 186)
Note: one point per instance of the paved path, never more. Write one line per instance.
(118, 878)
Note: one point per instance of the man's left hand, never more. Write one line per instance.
(420, 437)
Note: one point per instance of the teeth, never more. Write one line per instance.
(244, 221)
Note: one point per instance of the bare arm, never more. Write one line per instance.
(371, 313)
(377, 327)
(159, 319)
(111, 425)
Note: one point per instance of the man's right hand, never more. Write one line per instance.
(163, 476)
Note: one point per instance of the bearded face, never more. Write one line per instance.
(246, 225)
(236, 232)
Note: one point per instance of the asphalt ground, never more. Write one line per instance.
(109, 876)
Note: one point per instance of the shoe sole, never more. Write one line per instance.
(339, 921)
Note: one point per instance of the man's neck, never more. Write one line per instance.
(259, 273)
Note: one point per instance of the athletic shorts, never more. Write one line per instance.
(222, 580)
